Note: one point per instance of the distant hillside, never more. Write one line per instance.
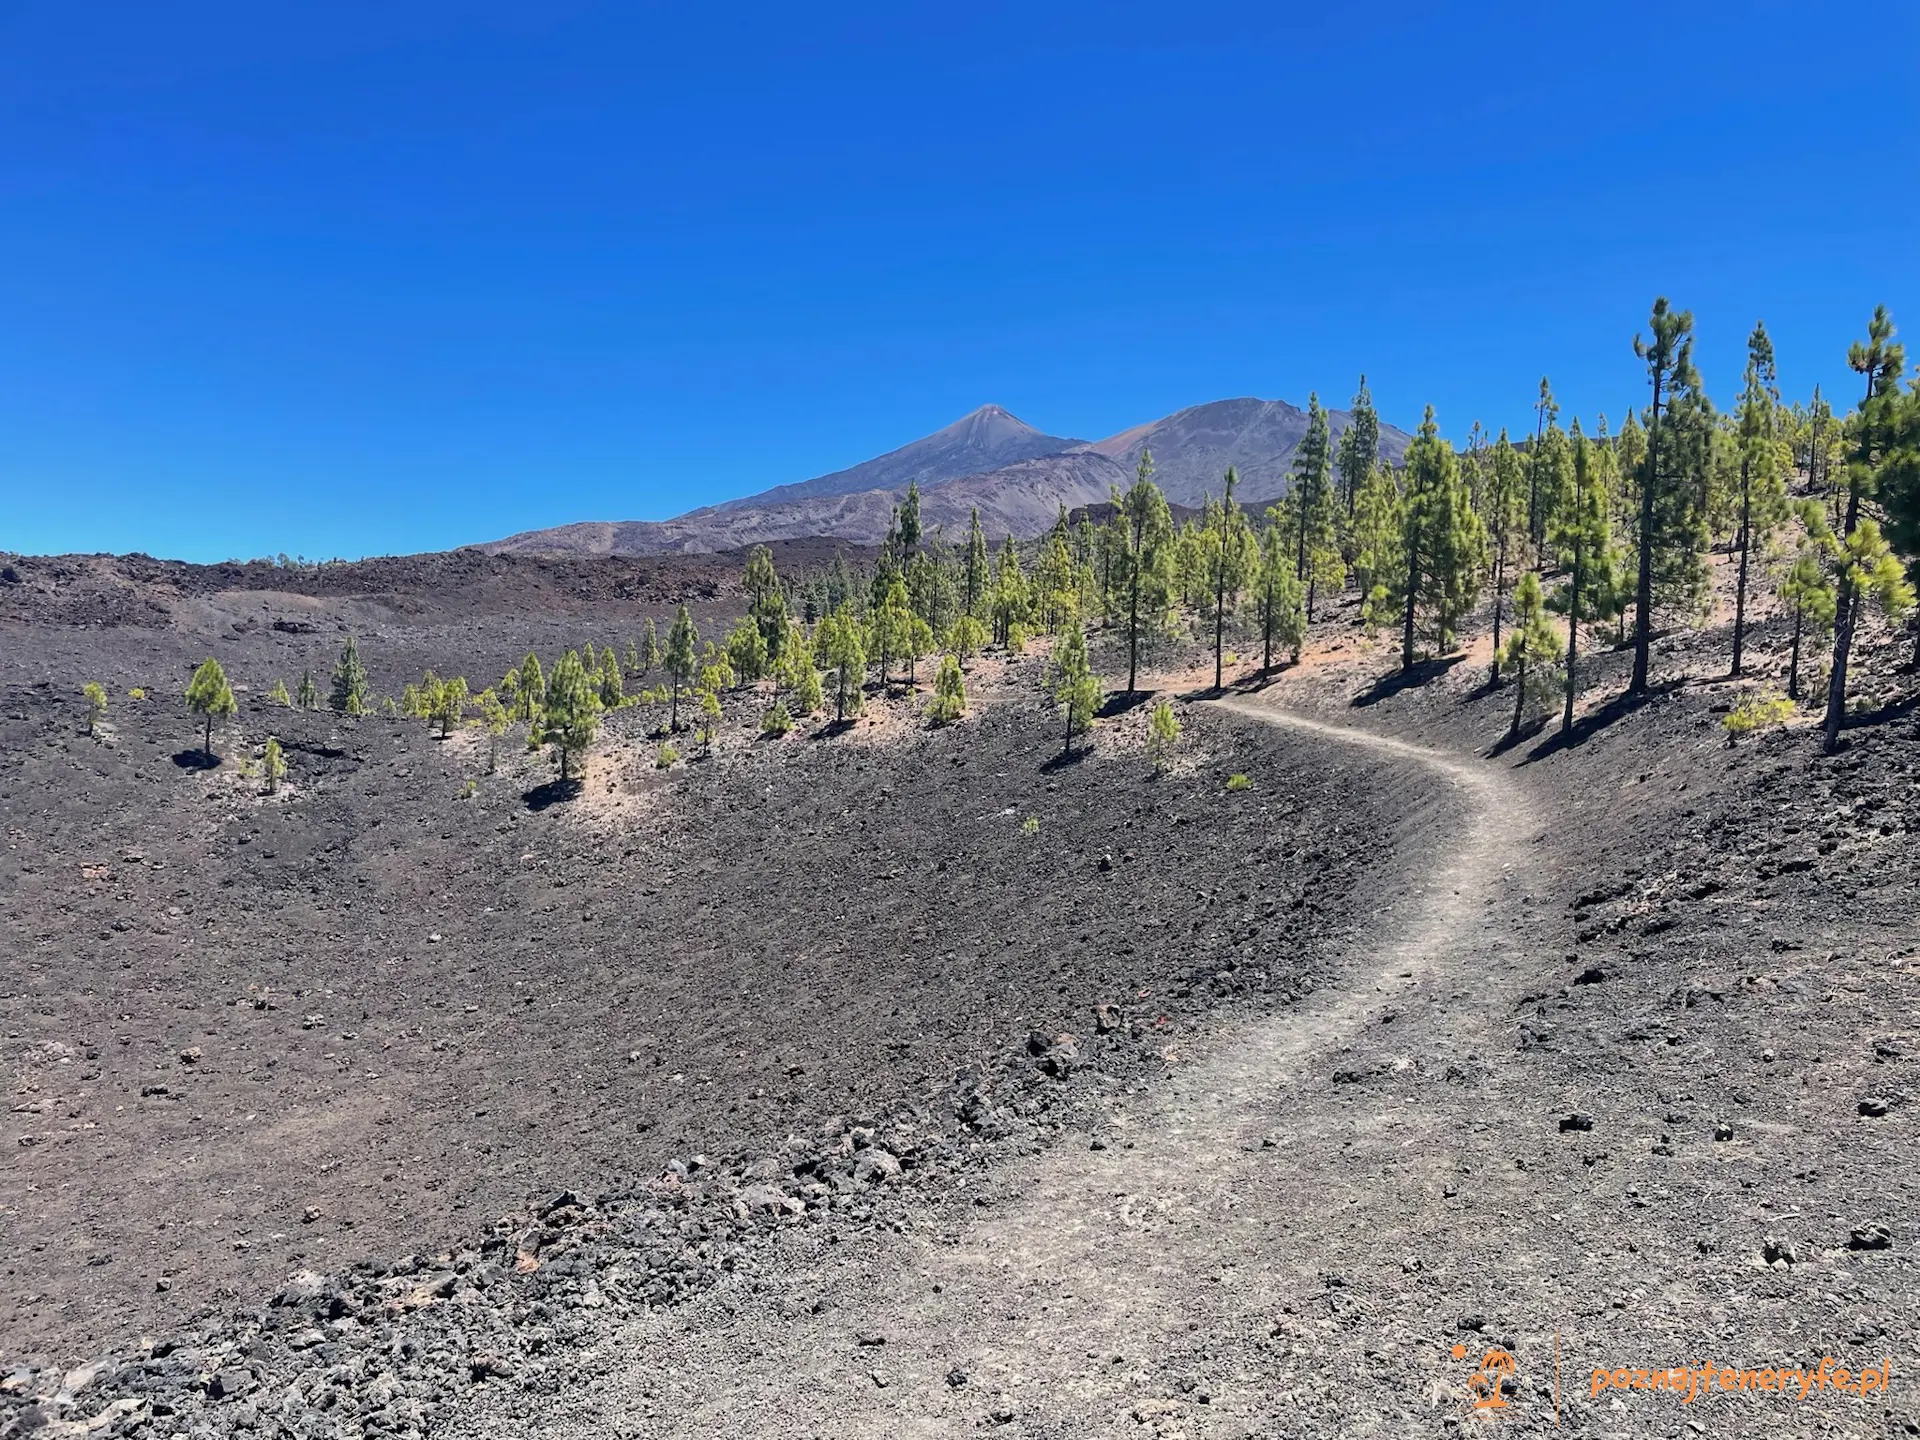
(1017, 476)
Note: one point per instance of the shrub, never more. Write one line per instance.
(278, 694)
(138, 692)
(668, 757)
(96, 703)
(1757, 712)
(1239, 782)
(1030, 825)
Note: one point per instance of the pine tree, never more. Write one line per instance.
(1376, 533)
(766, 608)
(1807, 592)
(1533, 649)
(611, 682)
(1311, 499)
(494, 716)
(910, 519)
(1144, 561)
(1283, 616)
(1010, 596)
(888, 629)
(1359, 446)
(1075, 686)
(1538, 480)
(447, 703)
(530, 689)
(747, 649)
(1506, 522)
(209, 696)
(949, 701)
(1881, 362)
(350, 684)
(1762, 489)
(846, 661)
(273, 764)
(1550, 477)
(803, 680)
(278, 694)
(308, 695)
(1582, 534)
(966, 638)
(973, 571)
(682, 643)
(570, 717)
(1444, 544)
(1233, 556)
(649, 647)
(95, 695)
(1663, 524)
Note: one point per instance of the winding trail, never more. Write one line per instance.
(1266, 1250)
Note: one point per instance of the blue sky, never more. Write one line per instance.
(370, 278)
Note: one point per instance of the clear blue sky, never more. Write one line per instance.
(355, 278)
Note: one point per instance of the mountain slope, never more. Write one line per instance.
(984, 440)
(1193, 447)
(1017, 476)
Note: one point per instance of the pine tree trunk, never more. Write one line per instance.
(1793, 659)
(1740, 586)
(1519, 697)
(1413, 592)
(1573, 629)
(1266, 631)
(1844, 612)
(1133, 623)
(673, 710)
(1499, 582)
(207, 745)
(1643, 587)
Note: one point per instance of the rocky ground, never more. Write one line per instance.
(740, 1099)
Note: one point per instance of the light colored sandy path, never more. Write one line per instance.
(1108, 1292)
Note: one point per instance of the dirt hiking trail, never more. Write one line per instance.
(1280, 1239)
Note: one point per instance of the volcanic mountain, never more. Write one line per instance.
(1018, 477)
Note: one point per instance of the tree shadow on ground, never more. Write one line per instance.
(553, 792)
(1526, 732)
(1411, 678)
(1882, 714)
(1121, 701)
(196, 760)
(1260, 679)
(835, 727)
(1594, 721)
(1065, 760)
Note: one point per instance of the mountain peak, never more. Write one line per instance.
(989, 426)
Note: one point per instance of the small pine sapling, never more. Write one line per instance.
(777, 720)
(949, 701)
(273, 765)
(1757, 712)
(307, 697)
(278, 694)
(1163, 732)
(96, 697)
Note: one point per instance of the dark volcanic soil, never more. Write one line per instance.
(405, 1010)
